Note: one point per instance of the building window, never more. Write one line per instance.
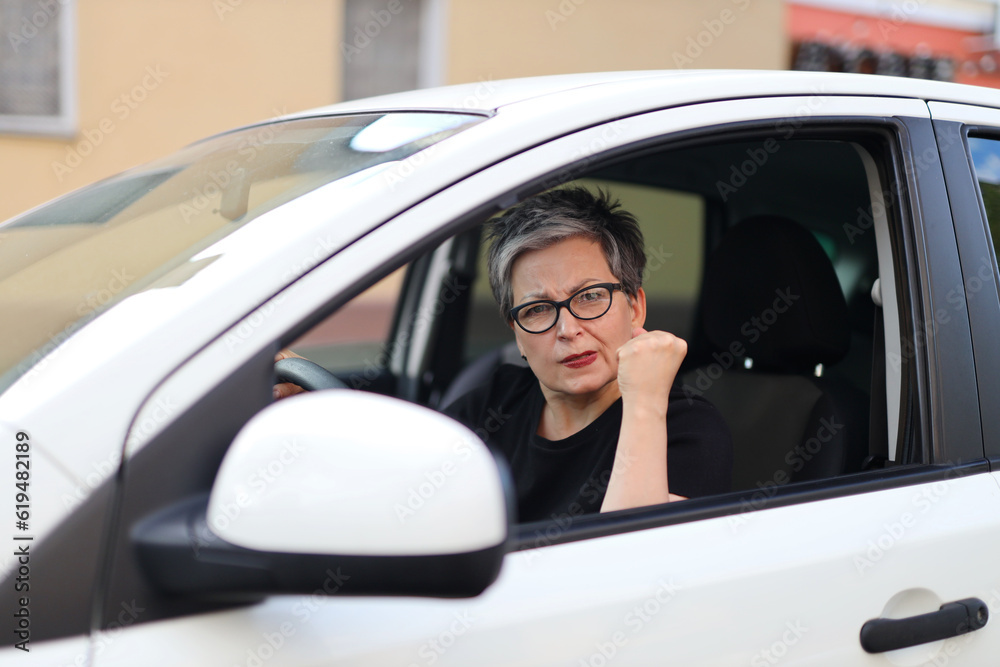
(380, 48)
(36, 67)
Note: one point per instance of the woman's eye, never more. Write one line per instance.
(535, 311)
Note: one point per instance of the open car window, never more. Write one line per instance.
(799, 406)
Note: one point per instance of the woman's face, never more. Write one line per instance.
(575, 357)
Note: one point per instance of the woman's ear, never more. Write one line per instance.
(638, 305)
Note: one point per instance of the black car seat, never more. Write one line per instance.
(480, 371)
(774, 314)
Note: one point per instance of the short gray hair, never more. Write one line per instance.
(554, 216)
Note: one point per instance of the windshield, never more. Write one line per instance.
(67, 261)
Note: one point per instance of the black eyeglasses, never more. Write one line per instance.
(588, 304)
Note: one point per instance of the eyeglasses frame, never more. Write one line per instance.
(612, 287)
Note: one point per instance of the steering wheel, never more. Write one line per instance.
(308, 375)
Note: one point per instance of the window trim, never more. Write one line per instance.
(889, 293)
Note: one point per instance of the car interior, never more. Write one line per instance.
(736, 231)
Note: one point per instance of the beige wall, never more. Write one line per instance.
(190, 68)
(496, 40)
(186, 69)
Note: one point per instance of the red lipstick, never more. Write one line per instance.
(580, 360)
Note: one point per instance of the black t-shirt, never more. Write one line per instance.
(559, 478)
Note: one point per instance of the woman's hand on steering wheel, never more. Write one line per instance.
(297, 374)
(286, 389)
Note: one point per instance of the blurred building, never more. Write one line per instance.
(948, 40)
(89, 88)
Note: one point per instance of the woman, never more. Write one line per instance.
(585, 426)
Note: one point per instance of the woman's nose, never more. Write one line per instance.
(567, 325)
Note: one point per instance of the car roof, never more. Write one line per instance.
(486, 95)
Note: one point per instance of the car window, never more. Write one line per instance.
(986, 159)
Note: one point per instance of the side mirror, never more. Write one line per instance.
(382, 496)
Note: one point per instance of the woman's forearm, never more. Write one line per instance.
(639, 473)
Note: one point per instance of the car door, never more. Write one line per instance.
(787, 573)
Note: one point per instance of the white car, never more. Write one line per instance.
(823, 242)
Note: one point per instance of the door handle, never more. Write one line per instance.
(952, 619)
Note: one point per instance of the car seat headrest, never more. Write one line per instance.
(771, 289)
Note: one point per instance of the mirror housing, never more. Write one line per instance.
(344, 492)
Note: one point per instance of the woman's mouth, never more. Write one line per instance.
(580, 360)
